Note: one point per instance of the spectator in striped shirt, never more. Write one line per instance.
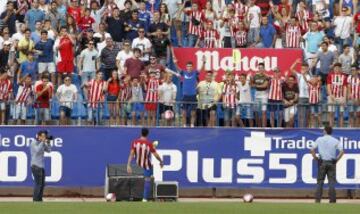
(96, 96)
(336, 90)
(276, 98)
(152, 97)
(230, 98)
(5, 96)
(209, 38)
(293, 34)
(314, 85)
(196, 17)
(241, 34)
(23, 100)
(354, 96)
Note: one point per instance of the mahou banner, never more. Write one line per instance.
(238, 60)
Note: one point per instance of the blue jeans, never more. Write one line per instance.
(341, 42)
(192, 40)
(253, 34)
(39, 179)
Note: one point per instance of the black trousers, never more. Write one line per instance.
(39, 182)
(326, 168)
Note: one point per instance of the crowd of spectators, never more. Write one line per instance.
(118, 55)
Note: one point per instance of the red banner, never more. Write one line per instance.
(237, 60)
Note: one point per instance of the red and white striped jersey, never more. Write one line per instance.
(232, 24)
(5, 89)
(240, 10)
(337, 82)
(230, 92)
(354, 85)
(292, 36)
(303, 17)
(125, 93)
(240, 37)
(142, 153)
(96, 92)
(200, 17)
(152, 90)
(23, 94)
(275, 92)
(210, 38)
(314, 93)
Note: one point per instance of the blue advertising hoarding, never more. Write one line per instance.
(201, 158)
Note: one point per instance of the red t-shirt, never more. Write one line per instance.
(114, 88)
(201, 3)
(134, 67)
(75, 12)
(357, 21)
(66, 49)
(86, 23)
(43, 101)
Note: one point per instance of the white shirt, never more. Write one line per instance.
(67, 94)
(173, 6)
(303, 86)
(17, 36)
(167, 93)
(142, 44)
(254, 11)
(343, 26)
(122, 56)
(90, 57)
(245, 92)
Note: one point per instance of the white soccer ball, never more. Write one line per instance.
(248, 198)
(169, 114)
(110, 197)
(155, 143)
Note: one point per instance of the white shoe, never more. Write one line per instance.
(144, 200)
(192, 126)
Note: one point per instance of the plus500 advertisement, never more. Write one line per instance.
(233, 158)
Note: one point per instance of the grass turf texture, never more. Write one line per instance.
(173, 208)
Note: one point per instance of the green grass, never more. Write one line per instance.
(173, 208)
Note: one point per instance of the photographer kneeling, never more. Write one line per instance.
(37, 149)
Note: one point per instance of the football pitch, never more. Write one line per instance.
(173, 208)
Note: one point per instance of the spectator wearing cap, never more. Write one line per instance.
(343, 26)
(209, 37)
(25, 45)
(8, 17)
(115, 26)
(336, 83)
(45, 52)
(267, 35)
(209, 94)
(160, 46)
(33, 15)
(108, 58)
(353, 93)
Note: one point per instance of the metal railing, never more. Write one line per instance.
(181, 114)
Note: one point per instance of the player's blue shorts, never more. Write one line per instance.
(148, 172)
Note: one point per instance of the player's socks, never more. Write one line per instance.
(147, 188)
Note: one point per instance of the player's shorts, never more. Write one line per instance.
(46, 66)
(65, 66)
(148, 172)
(20, 112)
(150, 106)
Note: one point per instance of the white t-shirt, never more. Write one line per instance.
(90, 57)
(343, 26)
(303, 86)
(173, 6)
(66, 95)
(17, 36)
(142, 44)
(167, 93)
(245, 92)
(254, 12)
(122, 56)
